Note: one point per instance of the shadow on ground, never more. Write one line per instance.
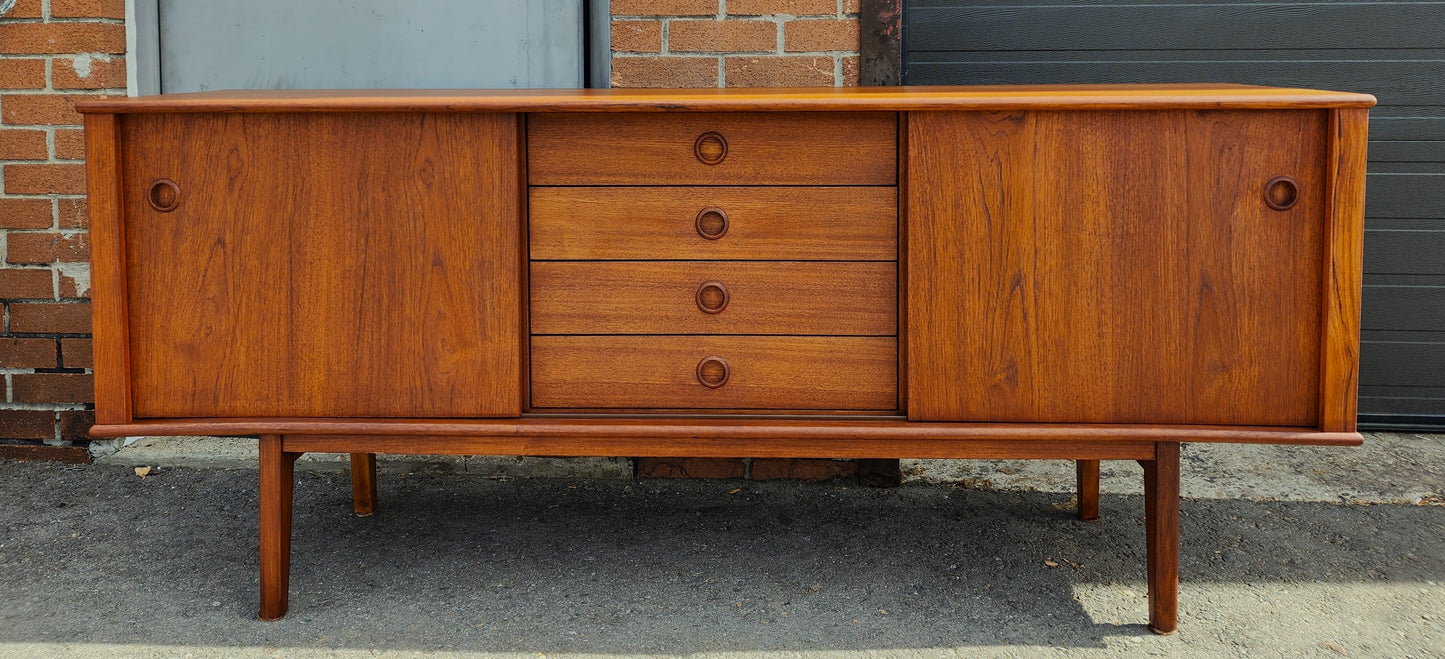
(98, 555)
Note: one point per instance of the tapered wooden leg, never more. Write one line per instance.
(1161, 523)
(363, 483)
(1088, 477)
(277, 478)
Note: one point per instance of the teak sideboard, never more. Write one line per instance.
(1061, 272)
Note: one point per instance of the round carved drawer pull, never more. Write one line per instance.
(711, 223)
(710, 148)
(164, 195)
(1281, 193)
(713, 372)
(712, 297)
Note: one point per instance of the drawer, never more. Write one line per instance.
(715, 372)
(705, 297)
(703, 223)
(708, 148)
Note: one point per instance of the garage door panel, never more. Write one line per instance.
(1403, 401)
(1405, 196)
(1406, 123)
(1406, 308)
(1412, 151)
(1405, 252)
(1401, 82)
(1415, 363)
(1148, 24)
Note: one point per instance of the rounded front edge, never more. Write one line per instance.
(541, 426)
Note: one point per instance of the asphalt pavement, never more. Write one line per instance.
(98, 561)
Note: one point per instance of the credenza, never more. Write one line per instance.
(1057, 272)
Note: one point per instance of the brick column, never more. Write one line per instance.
(734, 43)
(51, 53)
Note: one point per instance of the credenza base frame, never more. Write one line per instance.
(1159, 459)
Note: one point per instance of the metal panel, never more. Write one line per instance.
(1404, 308)
(599, 43)
(1153, 25)
(143, 48)
(1388, 48)
(364, 44)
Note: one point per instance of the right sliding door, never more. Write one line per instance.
(1115, 266)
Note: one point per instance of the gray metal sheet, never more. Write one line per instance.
(369, 44)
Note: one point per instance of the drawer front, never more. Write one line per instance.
(706, 148)
(702, 297)
(715, 372)
(708, 223)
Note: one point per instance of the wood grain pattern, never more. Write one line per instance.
(777, 372)
(793, 148)
(760, 447)
(323, 275)
(523, 338)
(1343, 264)
(1086, 473)
(363, 483)
(657, 223)
(1161, 524)
(1255, 343)
(655, 431)
(109, 320)
(651, 297)
(902, 223)
(974, 97)
(277, 477)
(1113, 267)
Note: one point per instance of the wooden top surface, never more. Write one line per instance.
(992, 97)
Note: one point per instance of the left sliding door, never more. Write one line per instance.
(322, 265)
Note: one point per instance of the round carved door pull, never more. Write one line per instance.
(713, 372)
(710, 148)
(712, 297)
(1281, 193)
(711, 223)
(164, 195)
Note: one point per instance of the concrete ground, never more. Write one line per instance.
(1286, 551)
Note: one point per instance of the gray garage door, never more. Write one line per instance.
(197, 45)
(1395, 50)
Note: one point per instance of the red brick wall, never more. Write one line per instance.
(734, 43)
(51, 52)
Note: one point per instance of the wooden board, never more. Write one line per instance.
(811, 99)
(325, 265)
(1343, 233)
(1114, 267)
(111, 343)
(706, 446)
(794, 148)
(763, 297)
(553, 432)
(784, 224)
(764, 372)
